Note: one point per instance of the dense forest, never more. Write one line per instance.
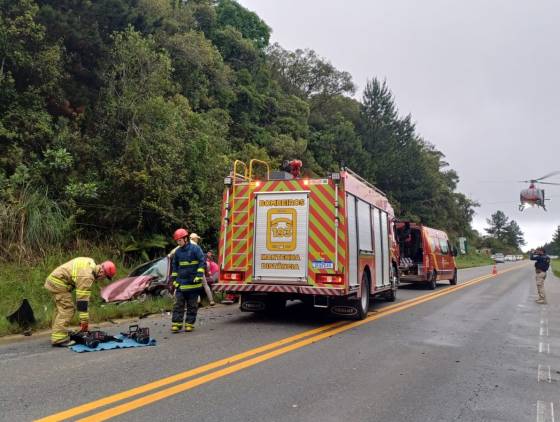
(120, 118)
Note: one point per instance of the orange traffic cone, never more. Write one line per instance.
(494, 270)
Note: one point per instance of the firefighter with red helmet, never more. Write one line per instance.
(78, 274)
(187, 272)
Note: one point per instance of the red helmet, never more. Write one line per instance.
(180, 234)
(109, 268)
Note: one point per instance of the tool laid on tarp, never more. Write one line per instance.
(92, 339)
(95, 341)
(138, 334)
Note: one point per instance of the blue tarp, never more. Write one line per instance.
(126, 343)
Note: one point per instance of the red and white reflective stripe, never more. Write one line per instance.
(267, 288)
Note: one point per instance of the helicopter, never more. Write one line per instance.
(533, 195)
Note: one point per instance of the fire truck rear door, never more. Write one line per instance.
(280, 245)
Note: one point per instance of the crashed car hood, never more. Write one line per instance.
(125, 288)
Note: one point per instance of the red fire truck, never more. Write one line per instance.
(326, 241)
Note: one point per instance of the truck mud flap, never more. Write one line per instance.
(253, 305)
(344, 310)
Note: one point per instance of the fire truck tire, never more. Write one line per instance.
(432, 282)
(453, 281)
(363, 303)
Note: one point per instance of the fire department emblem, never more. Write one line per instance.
(281, 229)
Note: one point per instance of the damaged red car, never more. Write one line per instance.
(148, 279)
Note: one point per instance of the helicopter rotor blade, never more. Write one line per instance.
(549, 183)
(546, 176)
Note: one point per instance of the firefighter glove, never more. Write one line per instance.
(84, 326)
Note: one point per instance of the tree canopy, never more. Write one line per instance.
(124, 116)
(503, 234)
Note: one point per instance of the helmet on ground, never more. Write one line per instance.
(109, 268)
(180, 234)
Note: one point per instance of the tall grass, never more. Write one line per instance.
(556, 267)
(473, 260)
(31, 224)
(19, 281)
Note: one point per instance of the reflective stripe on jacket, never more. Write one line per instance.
(188, 267)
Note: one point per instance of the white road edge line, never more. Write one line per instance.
(545, 411)
(546, 374)
(544, 347)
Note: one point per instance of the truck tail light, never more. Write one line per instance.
(232, 276)
(330, 279)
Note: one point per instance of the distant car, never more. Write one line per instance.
(499, 258)
(149, 278)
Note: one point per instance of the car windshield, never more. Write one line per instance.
(155, 268)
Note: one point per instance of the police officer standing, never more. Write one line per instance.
(187, 272)
(541, 267)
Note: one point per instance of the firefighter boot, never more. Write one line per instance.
(65, 343)
(175, 327)
(189, 328)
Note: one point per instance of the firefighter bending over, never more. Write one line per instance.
(78, 274)
(186, 277)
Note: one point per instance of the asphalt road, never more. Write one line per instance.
(483, 351)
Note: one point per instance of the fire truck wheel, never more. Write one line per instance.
(453, 281)
(432, 282)
(363, 303)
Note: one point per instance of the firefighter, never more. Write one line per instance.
(195, 239)
(78, 274)
(186, 277)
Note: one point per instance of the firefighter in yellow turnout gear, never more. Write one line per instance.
(77, 274)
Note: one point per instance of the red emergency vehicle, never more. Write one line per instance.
(327, 241)
(425, 255)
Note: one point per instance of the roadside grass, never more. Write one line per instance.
(556, 267)
(473, 260)
(21, 280)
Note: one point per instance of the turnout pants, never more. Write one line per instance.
(540, 276)
(190, 299)
(64, 311)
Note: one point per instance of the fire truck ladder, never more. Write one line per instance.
(243, 183)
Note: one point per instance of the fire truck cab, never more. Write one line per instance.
(326, 241)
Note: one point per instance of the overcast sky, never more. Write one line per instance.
(480, 78)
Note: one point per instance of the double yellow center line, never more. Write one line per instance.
(235, 363)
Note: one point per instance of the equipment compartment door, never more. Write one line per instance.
(281, 237)
(378, 241)
(352, 240)
(385, 242)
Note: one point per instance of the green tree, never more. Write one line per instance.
(305, 74)
(251, 27)
(553, 248)
(498, 225)
(514, 235)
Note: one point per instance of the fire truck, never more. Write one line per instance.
(327, 241)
